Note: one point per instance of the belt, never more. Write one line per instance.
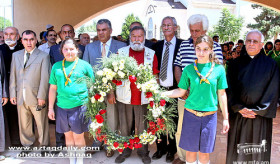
(201, 114)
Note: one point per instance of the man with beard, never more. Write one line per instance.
(51, 37)
(11, 37)
(166, 51)
(131, 105)
(253, 90)
(67, 31)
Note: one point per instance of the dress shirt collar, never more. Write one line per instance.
(108, 43)
(29, 52)
(172, 41)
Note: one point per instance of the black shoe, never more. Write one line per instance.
(146, 159)
(120, 159)
(169, 157)
(158, 154)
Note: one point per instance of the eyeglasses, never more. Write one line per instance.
(248, 41)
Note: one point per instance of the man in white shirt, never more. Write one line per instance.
(51, 36)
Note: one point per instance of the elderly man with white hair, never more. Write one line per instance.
(198, 25)
(253, 90)
(129, 98)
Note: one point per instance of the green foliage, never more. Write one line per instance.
(268, 22)
(228, 27)
(125, 27)
(90, 28)
(4, 23)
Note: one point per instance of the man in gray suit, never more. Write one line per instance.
(29, 77)
(94, 51)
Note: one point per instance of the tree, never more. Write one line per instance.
(4, 23)
(268, 22)
(228, 27)
(90, 28)
(125, 27)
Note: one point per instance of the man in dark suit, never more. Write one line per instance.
(94, 51)
(12, 44)
(67, 31)
(166, 51)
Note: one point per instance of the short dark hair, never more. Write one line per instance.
(231, 42)
(137, 28)
(215, 36)
(240, 41)
(49, 32)
(137, 23)
(101, 21)
(67, 25)
(28, 32)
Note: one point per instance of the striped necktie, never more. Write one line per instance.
(164, 64)
(27, 58)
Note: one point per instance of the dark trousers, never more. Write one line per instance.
(11, 128)
(162, 145)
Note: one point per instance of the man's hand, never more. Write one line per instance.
(111, 98)
(4, 101)
(51, 114)
(13, 100)
(247, 113)
(41, 102)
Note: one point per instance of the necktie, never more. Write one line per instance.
(104, 50)
(27, 58)
(164, 64)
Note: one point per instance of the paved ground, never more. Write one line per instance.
(217, 157)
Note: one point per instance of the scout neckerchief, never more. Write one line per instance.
(202, 78)
(69, 75)
(275, 53)
(266, 54)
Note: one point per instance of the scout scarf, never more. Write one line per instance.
(69, 75)
(202, 78)
(275, 53)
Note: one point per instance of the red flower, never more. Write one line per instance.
(97, 96)
(152, 124)
(120, 150)
(99, 118)
(162, 102)
(130, 146)
(125, 144)
(139, 145)
(116, 144)
(132, 78)
(149, 94)
(99, 130)
(102, 111)
(136, 140)
(151, 103)
(114, 81)
(131, 141)
(119, 83)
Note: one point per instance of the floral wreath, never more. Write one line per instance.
(111, 74)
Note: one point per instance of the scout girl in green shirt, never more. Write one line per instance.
(207, 82)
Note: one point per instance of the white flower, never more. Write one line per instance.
(103, 93)
(122, 62)
(101, 99)
(99, 73)
(151, 99)
(94, 125)
(92, 99)
(91, 89)
(116, 68)
(121, 74)
(138, 86)
(121, 67)
(104, 79)
(115, 63)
